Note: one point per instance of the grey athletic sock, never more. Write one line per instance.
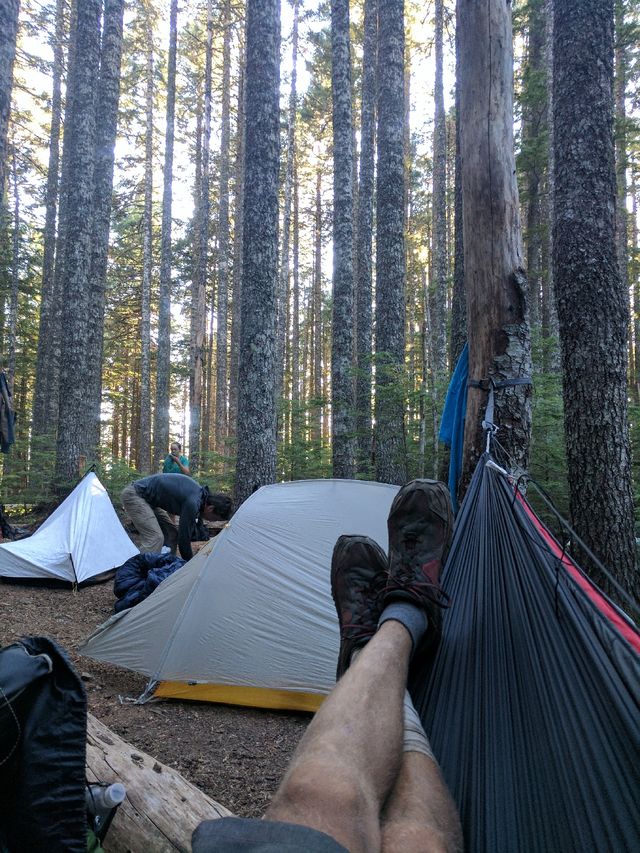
(410, 615)
(415, 738)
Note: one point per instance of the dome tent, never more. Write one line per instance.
(249, 620)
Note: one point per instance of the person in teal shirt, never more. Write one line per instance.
(175, 463)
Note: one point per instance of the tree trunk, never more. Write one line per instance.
(592, 304)
(496, 286)
(72, 438)
(549, 318)
(234, 360)
(439, 233)
(256, 459)
(390, 450)
(534, 153)
(223, 239)
(342, 402)
(459, 296)
(15, 274)
(296, 419)
(364, 284)
(53, 366)
(144, 448)
(106, 127)
(163, 368)
(198, 293)
(9, 10)
(40, 423)
(622, 238)
(316, 320)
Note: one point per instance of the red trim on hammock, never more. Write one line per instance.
(593, 593)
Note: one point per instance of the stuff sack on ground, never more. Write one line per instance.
(140, 575)
(43, 719)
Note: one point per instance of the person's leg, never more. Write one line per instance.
(169, 528)
(420, 815)
(349, 757)
(144, 519)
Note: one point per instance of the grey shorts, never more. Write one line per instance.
(239, 835)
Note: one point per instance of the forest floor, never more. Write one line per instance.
(236, 755)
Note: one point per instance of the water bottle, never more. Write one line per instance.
(101, 799)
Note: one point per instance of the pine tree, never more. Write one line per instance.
(40, 422)
(223, 238)
(592, 304)
(72, 444)
(256, 428)
(342, 401)
(364, 284)
(106, 126)
(161, 418)
(390, 449)
(8, 34)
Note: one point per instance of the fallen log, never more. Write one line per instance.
(161, 808)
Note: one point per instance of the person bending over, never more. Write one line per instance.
(152, 500)
(174, 462)
(363, 777)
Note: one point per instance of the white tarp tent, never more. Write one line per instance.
(82, 538)
(250, 620)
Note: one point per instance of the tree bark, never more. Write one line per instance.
(106, 127)
(390, 450)
(439, 232)
(284, 270)
(496, 286)
(459, 297)
(12, 331)
(316, 320)
(592, 304)
(198, 292)
(534, 153)
(342, 402)
(364, 237)
(53, 367)
(223, 240)
(234, 359)
(161, 809)
(163, 368)
(620, 89)
(9, 11)
(256, 459)
(72, 441)
(144, 447)
(40, 423)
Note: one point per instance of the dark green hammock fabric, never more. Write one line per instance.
(533, 703)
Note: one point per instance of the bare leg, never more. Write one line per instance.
(349, 757)
(420, 815)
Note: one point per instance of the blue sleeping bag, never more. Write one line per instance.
(140, 575)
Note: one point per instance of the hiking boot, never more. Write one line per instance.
(420, 529)
(358, 577)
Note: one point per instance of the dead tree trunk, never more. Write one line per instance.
(161, 809)
(496, 286)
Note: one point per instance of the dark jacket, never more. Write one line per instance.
(179, 495)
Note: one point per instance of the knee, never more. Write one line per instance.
(322, 791)
(408, 836)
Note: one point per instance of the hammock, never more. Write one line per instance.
(532, 705)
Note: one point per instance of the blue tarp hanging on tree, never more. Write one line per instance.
(452, 421)
(533, 702)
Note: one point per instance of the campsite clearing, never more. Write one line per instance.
(236, 755)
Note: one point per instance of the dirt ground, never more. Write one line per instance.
(236, 755)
